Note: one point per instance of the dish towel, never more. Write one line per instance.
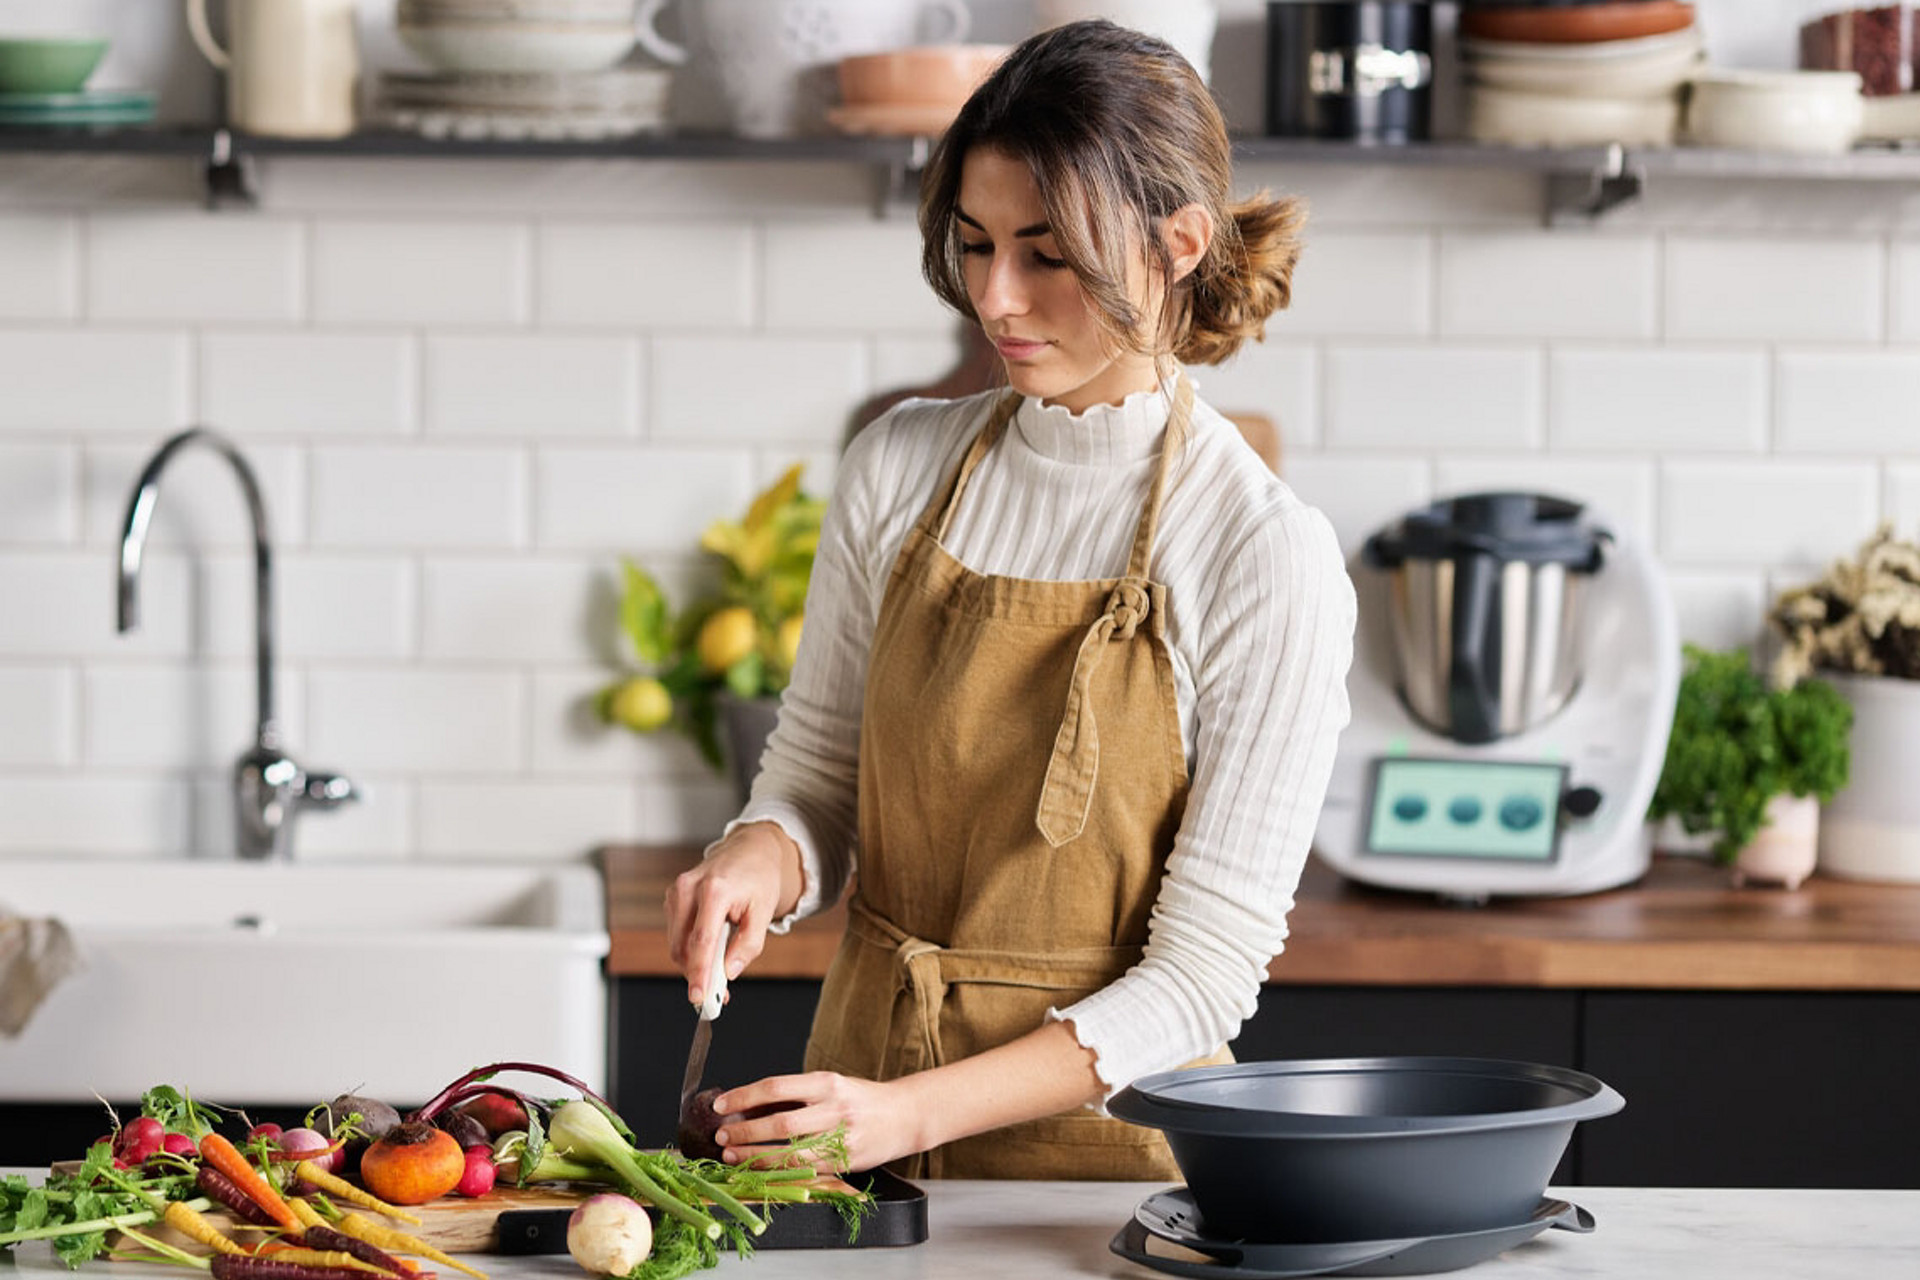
(34, 956)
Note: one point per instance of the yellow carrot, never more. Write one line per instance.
(225, 1157)
(188, 1222)
(337, 1186)
(308, 1215)
(394, 1241)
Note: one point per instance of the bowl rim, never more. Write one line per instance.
(1139, 1103)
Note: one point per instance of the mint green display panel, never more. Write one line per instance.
(1466, 809)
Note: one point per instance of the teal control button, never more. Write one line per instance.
(1465, 810)
(1410, 808)
(1517, 813)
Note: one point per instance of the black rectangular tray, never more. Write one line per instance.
(899, 1217)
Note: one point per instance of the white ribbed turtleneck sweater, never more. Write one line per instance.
(1260, 623)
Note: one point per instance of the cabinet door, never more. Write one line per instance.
(762, 1033)
(1755, 1090)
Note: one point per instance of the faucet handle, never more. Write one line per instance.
(327, 791)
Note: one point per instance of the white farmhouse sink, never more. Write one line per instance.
(288, 983)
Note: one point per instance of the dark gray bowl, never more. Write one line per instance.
(1365, 1148)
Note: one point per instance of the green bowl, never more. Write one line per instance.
(48, 64)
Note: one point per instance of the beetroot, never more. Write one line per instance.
(498, 1112)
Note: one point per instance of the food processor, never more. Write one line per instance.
(1513, 682)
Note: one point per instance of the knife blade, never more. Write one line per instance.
(715, 992)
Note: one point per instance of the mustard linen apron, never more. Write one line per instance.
(1021, 779)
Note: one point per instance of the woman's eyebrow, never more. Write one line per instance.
(1037, 229)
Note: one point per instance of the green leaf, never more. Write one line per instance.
(747, 676)
(644, 614)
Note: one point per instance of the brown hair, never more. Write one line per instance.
(1118, 132)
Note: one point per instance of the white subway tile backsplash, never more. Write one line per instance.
(424, 272)
(308, 383)
(1359, 495)
(1657, 400)
(40, 265)
(1719, 610)
(39, 494)
(667, 275)
(436, 497)
(569, 739)
(809, 283)
(1277, 379)
(687, 812)
(87, 380)
(380, 824)
(1903, 274)
(1621, 493)
(542, 387)
(201, 503)
(1547, 284)
(60, 604)
(1743, 289)
(1903, 499)
(96, 815)
(1433, 399)
(514, 611)
(516, 818)
(195, 266)
(179, 717)
(909, 362)
(1732, 513)
(433, 720)
(39, 715)
(1849, 402)
(1353, 282)
(325, 606)
(635, 499)
(755, 390)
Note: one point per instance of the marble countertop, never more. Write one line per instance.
(1016, 1230)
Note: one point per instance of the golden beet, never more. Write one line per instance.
(413, 1164)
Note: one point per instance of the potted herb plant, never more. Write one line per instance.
(714, 669)
(1859, 628)
(1751, 764)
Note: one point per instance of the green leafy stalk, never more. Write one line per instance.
(582, 1131)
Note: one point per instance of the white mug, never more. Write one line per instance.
(777, 60)
(291, 64)
(1187, 25)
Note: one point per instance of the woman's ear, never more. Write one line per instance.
(1186, 232)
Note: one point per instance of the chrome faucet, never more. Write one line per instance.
(269, 787)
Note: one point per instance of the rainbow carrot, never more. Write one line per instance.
(226, 1157)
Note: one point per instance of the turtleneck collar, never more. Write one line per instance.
(1104, 435)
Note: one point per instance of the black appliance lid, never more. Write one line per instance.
(1531, 527)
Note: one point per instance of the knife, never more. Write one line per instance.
(709, 1009)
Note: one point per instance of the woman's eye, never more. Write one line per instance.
(976, 246)
(1051, 263)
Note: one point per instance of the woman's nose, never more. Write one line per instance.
(1002, 292)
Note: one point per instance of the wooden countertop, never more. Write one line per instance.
(1680, 928)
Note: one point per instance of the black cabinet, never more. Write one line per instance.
(1732, 1089)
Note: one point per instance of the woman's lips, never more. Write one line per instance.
(1018, 348)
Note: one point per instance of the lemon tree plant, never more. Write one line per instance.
(740, 638)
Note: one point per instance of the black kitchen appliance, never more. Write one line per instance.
(1360, 70)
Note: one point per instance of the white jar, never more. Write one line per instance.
(1812, 112)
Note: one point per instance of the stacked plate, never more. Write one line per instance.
(523, 69)
(1566, 73)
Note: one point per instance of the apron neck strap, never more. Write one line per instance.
(939, 514)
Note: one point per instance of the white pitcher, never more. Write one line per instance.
(1187, 25)
(777, 60)
(291, 64)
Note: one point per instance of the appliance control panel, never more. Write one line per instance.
(1465, 808)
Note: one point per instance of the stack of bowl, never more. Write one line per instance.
(43, 81)
(910, 91)
(529, 68)
(1569, 73)
(1395, 1165)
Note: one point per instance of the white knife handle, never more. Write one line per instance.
(716, 984)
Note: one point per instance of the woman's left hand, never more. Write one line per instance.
(760, 1118)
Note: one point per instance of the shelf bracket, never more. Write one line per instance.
(1588, 196)
(230, 178)
(900, 180)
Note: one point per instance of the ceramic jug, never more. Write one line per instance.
(1187, 25)
(291, 64)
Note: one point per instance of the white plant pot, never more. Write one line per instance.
(1785, 850)
(1871, 828)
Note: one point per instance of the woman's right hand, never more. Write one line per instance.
(749, 879)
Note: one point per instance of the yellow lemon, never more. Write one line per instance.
(725, 638)
(788, 640)
(642, 703)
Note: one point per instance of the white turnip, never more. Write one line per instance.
(609, 1234)
(310, 1144)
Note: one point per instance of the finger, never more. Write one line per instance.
(704, 942)
(749, 940)
(768, 1131)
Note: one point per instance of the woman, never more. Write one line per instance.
(1073, 666)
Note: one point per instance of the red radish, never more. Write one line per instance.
(478, 1179)
(267, 1129)
(139, 1138)
(179, 1144)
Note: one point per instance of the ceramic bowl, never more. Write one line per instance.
(519, 48)
(1508, 118)
(1613, 69)
(910, 91)
(1578, 23)
(49, 64)
(1810, 112)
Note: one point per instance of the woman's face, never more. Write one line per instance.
(1029, 302)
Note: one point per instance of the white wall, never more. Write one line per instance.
(472, 387)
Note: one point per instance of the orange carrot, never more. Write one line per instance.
(225, 1157)
(382, 1236)
(188, 1222)
(340, 1188)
